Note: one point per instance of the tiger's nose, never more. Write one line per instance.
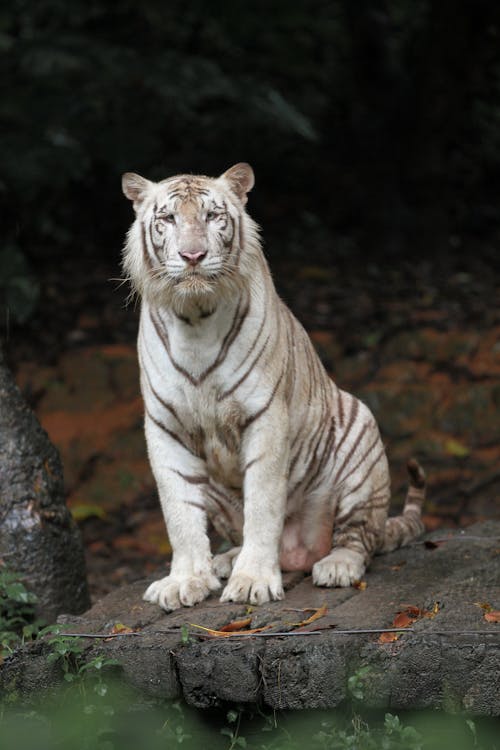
(192, 257)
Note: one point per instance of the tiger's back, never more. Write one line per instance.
(243, 425)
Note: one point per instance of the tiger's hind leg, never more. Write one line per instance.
(362, 529)
(358, 530)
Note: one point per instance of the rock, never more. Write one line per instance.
(449, 661)
(38, 536)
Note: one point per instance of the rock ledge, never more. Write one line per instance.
(451, 661)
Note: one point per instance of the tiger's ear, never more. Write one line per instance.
(241, 180)
(135, 187)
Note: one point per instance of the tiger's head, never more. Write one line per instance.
(187, 239)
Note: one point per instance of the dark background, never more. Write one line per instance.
(373, 126)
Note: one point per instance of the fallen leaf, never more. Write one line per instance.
(411, 609)
(360, 585)
(388, 637)
(408, 614)
(235, 625)
(119, 627)
(317, 613)
(484, 606)
(398, 567)
(403, 620)
(492, 616)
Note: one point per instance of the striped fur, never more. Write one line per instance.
(243, 426)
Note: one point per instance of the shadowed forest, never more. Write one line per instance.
(373, 129)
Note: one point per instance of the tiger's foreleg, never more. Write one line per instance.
(256, 574)
(181, 495)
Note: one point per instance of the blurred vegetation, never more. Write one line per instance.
(120, 719)
(377, 120)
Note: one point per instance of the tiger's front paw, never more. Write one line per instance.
(242, 587)
(342, 567)
(173, 592)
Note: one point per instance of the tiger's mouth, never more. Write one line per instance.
(194, 281)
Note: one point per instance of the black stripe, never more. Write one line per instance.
(191, 478)
(361, 460)
(162, 333)
(328, 447)
(160, 400)
(352, 418)
(231, 390)
(266, 406)
(172, 434)
(370, 468)
(156, 248)
(145, 252)
(351, 452)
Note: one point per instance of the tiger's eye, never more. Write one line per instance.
(211, 215)
(169, 218)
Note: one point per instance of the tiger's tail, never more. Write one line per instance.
(401, 530)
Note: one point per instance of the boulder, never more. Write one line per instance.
(38, 537)
(448, 658)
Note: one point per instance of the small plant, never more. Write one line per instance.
(356, 684)
(393, 735)
(402, 736)
(173, 729)
(185, 637)
(17, 612)
(68, 651)
(234, 717)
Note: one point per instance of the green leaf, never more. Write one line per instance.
(455, 448)
(82, 512)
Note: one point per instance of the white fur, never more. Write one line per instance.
(282, 449)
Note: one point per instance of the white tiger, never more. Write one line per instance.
(242, 423)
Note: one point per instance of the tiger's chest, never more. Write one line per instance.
(185, 386)
(214, 428)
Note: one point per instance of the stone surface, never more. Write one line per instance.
(450, 661)
(38, 536)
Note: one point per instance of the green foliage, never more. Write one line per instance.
(185, 637)
(232, 731)
(357, 681)
(17, 622)
(69, 652)
(393, 735)
(122, 719)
